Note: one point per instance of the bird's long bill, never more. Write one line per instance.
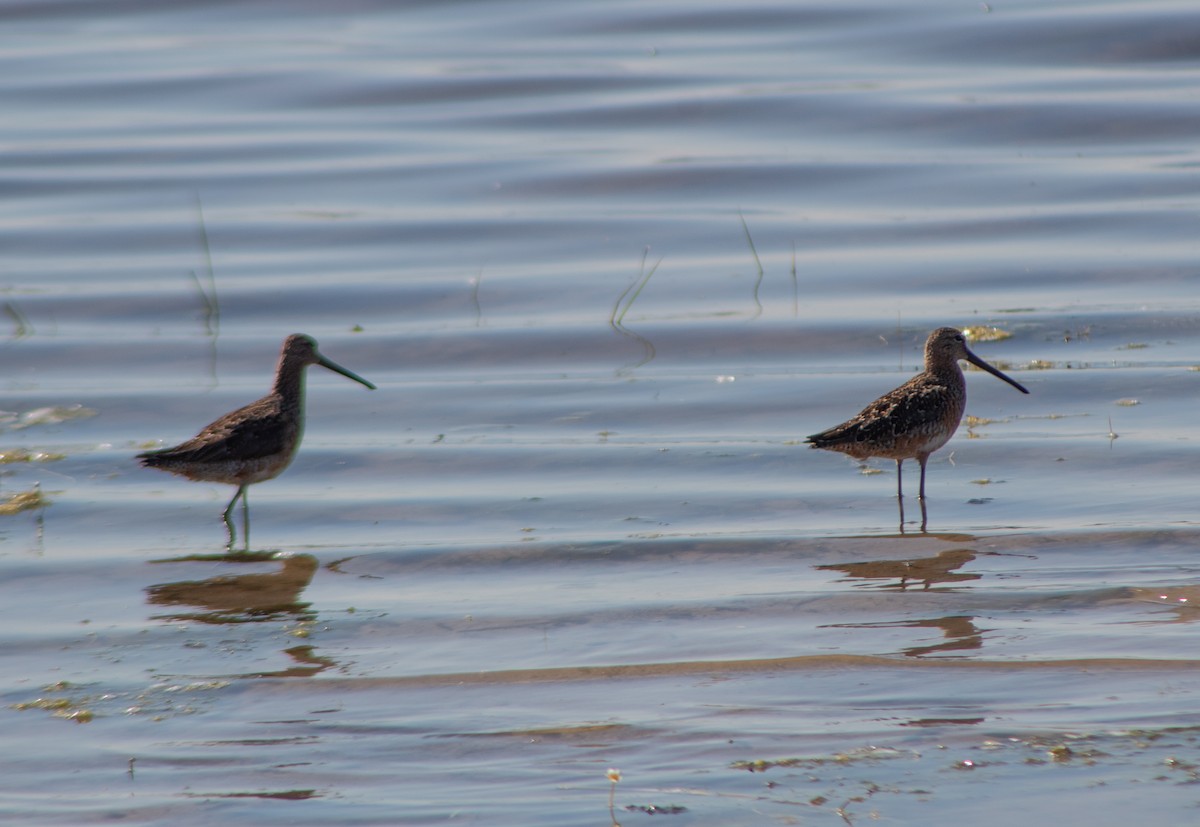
(336, 368)
(982, 365)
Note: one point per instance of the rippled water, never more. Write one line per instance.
(608, 264)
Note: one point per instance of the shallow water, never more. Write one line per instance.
(608, 264)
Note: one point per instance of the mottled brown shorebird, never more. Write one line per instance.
(916, 418)
(256, 442)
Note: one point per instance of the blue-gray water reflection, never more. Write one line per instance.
(608, 263)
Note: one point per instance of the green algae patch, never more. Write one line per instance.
(59, 707)
(23, 501)
(985, 333)
(53, 415)
(14, 456)
(854, 756)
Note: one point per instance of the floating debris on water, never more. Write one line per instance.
(656, 809)
(985, 333)
(1060, 752)
(59, 707)
(848, 757)
(16, 455)
(53, 415)
(23, 501)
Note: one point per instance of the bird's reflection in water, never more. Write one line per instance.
(307, 664)
(1183, 602)
(941, 568)
(900, 503)
(240, 598)
(959, 631)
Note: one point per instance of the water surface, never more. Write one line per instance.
(608, 264)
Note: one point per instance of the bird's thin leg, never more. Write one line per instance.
(899, 479)
(923, 458)
(228, 511)
(230, 534)
(229, 508)
(245, 518)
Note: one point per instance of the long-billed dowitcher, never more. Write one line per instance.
(255, 442)
(917, 418)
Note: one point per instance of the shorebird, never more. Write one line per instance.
(255, 442)
(917, 418)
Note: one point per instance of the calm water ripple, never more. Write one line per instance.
(608, 264)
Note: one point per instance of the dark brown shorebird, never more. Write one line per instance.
(917, 418)
(255, 442)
